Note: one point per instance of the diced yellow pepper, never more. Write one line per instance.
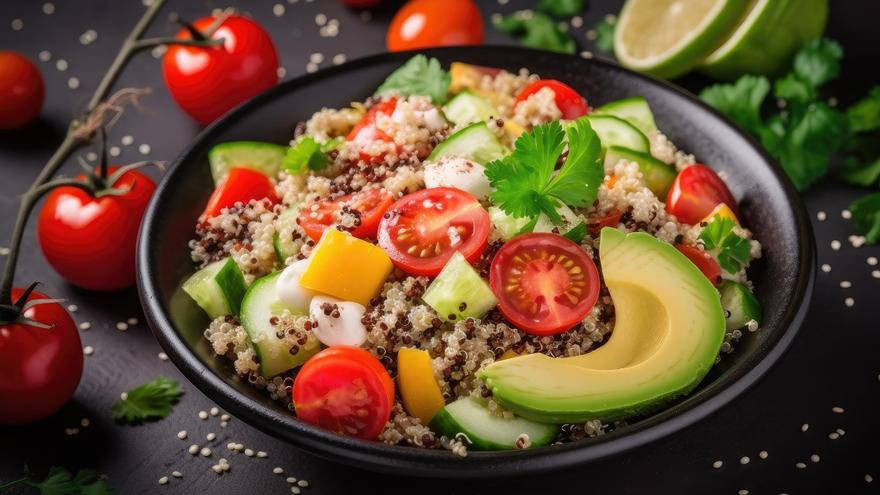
(418, 386)
(513, 129)
(346, 267)
(510, 353)
(721, 211)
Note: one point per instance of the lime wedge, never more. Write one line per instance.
(769, 35)
(667, 38)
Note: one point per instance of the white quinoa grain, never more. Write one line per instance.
(48, 8)
(744, 460)
(281, 72)
(121, 326)
(302, 483)
(846, 214)
(203, 415)
(181, 434)
(295, 490)
(85, 325)
(316, 58)
(223, 424)
(177, 474)
(144, 149)
(837, 409)
(262, 454)
(845, 284)
(834, 435)
(206, 452)
(320, 19)
(800, 465)
(872, 260)
(132, 321)
(805, 427)
(217, 468)
(224, 417)
(875, 273)
(278, 470)
(311, 67)
(821, 216)
(249, 452)
(849, 302)
(163, 356)
(835, 245)
(214, 411)
(717, 464)
(17, 24)
(743, 492)
(73, 83)
(85, 422)
(72, 308)
(826, 267)
(91, 156)
(61, 65)
(868, 478)
(193, 449)
(211, 437)
(815, 457)
(291, 479)
(840, 432)
(88, 351)
(278, 10)
(123, 396)
(127, 140)
(163, 480)
(45, 56)
(763, 454)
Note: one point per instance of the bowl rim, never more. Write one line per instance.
(411, 461)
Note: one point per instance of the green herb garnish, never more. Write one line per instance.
(306, 154)
(866, 216)
(731, 250)
(577, 233)
(561, 8)
(59, 481)
(419, 76)
(604, 30)
(525, 183)
(536, 30)
(153, 400)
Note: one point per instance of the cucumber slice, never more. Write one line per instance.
(467, 107)
(459, 286)
(263, 157)
(740, 305)
(508, 225)
(486, 431)
(475, 142)
(217, 288)
(614, 131)
(260, 304)
(282, 239)
(634, 110)
(658, 175)
(570, 220)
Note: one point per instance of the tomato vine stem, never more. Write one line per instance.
(75, 138)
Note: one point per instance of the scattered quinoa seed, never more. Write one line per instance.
(203, 415)
(805, 427)
(868, 478)
(85, 325)
(717, 464)
(846, 214)
(214, 411)
(249, 452)
(837, 409)
(193, 449)
(845, 284)
(826, 267)
(763, 454)
(800, 465)
(123, 396)
(163, 356)
(291, 479)
(849, 302)
(262, 454)
(302, 483)
(834, 435)
(88, 351)
(122, 326)
(224, 417)
(132, 321)
(206, 452)
(278, 470)
(72, 308)
(835, 245)
(295, 490)
(210, 437)
(163, 480)
(814, 457)
(177, 474)
(872, 260)
(821, 216)
(144, 149)
(744, 460)
(181, 434)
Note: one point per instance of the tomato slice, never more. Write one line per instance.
(366, 207)
(366, 132)
(704, 261)
(241, 184)
(611, 219)
(572, 104)
(345, 390)
(422, 230)
(545, 284)
(696, 191)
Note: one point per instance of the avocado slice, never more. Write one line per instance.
(669, 330)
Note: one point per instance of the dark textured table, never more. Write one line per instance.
(786, 419)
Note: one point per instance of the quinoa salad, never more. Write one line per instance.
(472, 259)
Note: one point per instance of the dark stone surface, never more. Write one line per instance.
(832, 363)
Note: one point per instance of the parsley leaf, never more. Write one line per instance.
(306, 154)
(866, 216)
(740, 101)
(153, 400)
(561, 8)
(818, 62)
(859, 174)
(524, 181)
(419, 76)
(604, 30)
(731, 250)
(60, 481)
(864, 115)
(536, 30)
(577, 233)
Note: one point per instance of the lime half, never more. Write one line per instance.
(769, 35)
(667, 38)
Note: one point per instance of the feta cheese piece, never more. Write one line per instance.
(459, 173)
(338, 321)
(289, 289)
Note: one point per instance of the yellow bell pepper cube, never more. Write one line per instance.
(510, 353)
(721, 211)
(418, 386)
(346, 267)
(513, 129)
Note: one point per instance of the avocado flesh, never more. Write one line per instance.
(669, 330)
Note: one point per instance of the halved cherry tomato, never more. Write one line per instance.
(368, 207)
(240, 185)
(422, 230)
(545, 284)
(427, 23)
(572, 104)
(611, 219)
(366, 132)
(345, 390)
(703, 261)
(696, 191)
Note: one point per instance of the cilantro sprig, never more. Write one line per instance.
(866, 216)
(151, 401)
(308, 154)
(536, 30)
(719, 239)
(419, 76)
(60, 481)
(526, 181)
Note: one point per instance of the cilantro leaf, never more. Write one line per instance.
(859, 174)
(818, 62)
(419, 76)
(561, 8)
(864, 115)
(605, 33)
(306, 154)
(866, 216)
(577, 233)
(153, 400)
(59, 481)
(731, 250)
(536, 30)
(524, 181)
(740, 101)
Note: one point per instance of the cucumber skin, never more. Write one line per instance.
(229, 285)
(444, 423)
(658, 176)
(748, 308)
(462, 99)
(614, 108)
(220, 167)
(458, 268)
(232, 284)
(494, 151)
(289, 215)
(643, 140)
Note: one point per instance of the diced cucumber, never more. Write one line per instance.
(614, 131)
(282, 240)
(217, 288)
(634, 110)
(475, 142)
(570, 220)
(467, 107)
(740, 305)
(257, 155)
(658, 175)
(458, 290)
(508, 225)
(469, 417)
(260, 304)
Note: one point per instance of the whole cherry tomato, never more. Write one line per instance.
(21, 90)
(345, 390)
(208, 81)
(427, 23)
(362, 4)
(569, 101)
(239, 186)
(704, 261)
(366, 206)
(40, 364)
(90, 241)
(696, 191)
(365, 132)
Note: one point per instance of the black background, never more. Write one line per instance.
(833, 362)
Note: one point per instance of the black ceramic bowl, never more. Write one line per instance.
(770, 207)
